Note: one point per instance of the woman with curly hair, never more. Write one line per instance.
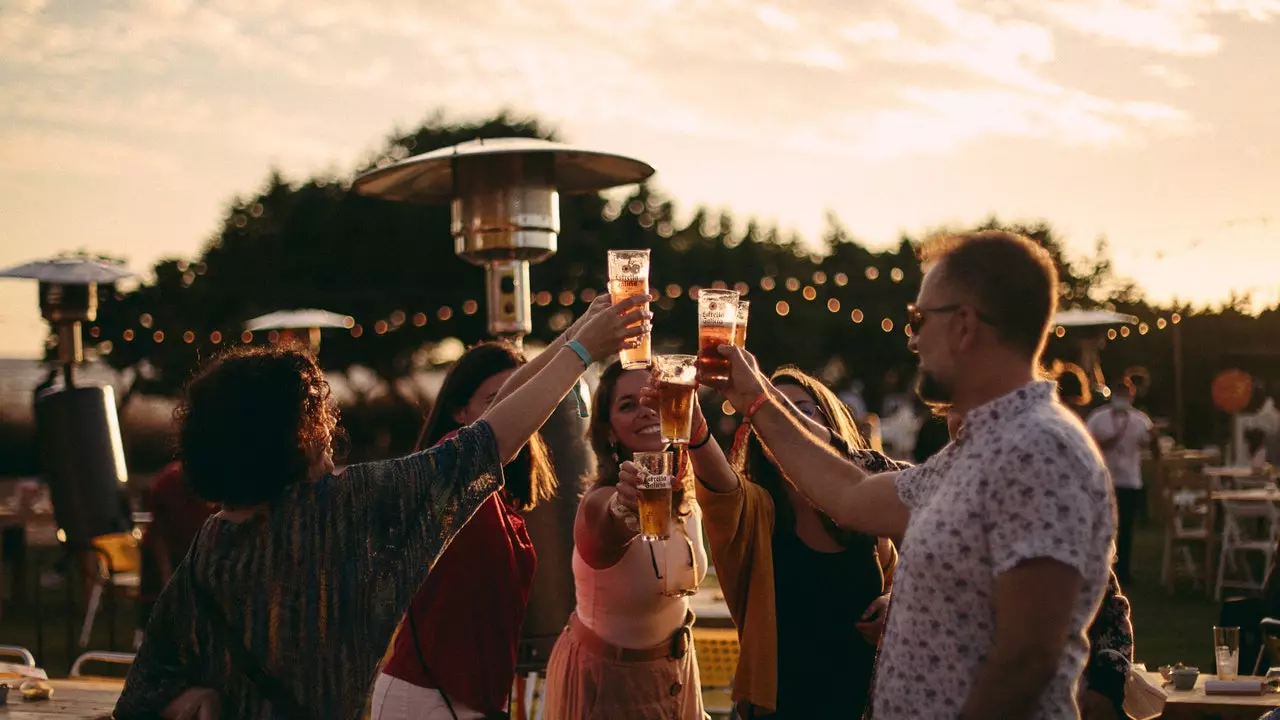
(455, 654)
(626, 653)
(287, 599)
(808, 598)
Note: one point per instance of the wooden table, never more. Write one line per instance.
(1196, 705)
(1236, 472)
(72, 698)
(1246, 495)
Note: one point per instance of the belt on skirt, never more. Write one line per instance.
(675, 648)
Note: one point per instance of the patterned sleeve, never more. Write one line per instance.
(915, 483)
(1041, 503)
(875, 462)
(412, 507)
(1111, 644)
(160, 673)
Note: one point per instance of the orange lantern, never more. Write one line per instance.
(1232, 389)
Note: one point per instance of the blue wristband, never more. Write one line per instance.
(581, 351)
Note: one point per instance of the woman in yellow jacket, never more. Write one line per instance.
(807, 597)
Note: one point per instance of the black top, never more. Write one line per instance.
(824, 664)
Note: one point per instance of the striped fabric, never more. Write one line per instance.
(317, 584)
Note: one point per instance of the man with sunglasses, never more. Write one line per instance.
(1007, 532)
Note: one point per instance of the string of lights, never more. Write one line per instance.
(567, 299)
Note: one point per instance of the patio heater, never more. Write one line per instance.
(302, 326)
(1089, 329)
(77, 428)
(506, 215)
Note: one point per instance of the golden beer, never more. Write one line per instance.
(676, 379)
(712, 366)
(638, 356)
(740, 329)
(717, 318)
(628, 277)
(655, 509)
(675, 409)
(654, 503)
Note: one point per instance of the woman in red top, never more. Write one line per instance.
(455, 654)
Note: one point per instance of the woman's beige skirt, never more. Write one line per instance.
(584, 683)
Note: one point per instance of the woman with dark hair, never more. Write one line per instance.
(455, 654)
(627, 653)
(286, 602)
(808, 598)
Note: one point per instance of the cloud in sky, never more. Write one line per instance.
(870, 79)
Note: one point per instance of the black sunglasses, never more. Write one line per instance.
(916, 316)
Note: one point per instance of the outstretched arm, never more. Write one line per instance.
(853, 498)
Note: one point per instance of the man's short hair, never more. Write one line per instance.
(1012, 280)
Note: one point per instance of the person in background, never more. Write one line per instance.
(1256, 440)
(455, 654)
(1121, 432)
(177, 514)
(933, 435)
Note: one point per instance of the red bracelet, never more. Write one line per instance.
(695, 444)
(755, 405)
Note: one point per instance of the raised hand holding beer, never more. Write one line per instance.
(629, 277)
(717, 319)
(745, 381)
(613, 327)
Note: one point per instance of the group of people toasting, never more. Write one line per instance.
(996, 552)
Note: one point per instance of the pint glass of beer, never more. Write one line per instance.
(655, 494)
(717, 318)
(740, 327)
(677, 380)
(629, 276)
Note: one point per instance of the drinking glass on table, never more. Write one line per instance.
(654, 503)
(676, 377)
(717, 320)
(629, 276)
(740, 327)
(1226, 651)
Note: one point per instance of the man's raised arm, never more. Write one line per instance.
(853, 499)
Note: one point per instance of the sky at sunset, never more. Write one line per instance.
(126, 127)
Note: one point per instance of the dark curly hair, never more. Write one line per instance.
(250, 423)
(530, 477)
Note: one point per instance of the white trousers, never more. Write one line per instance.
(395, 699)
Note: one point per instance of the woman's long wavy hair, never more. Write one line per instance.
(611, 455)
(752, 462)
(530, 477)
